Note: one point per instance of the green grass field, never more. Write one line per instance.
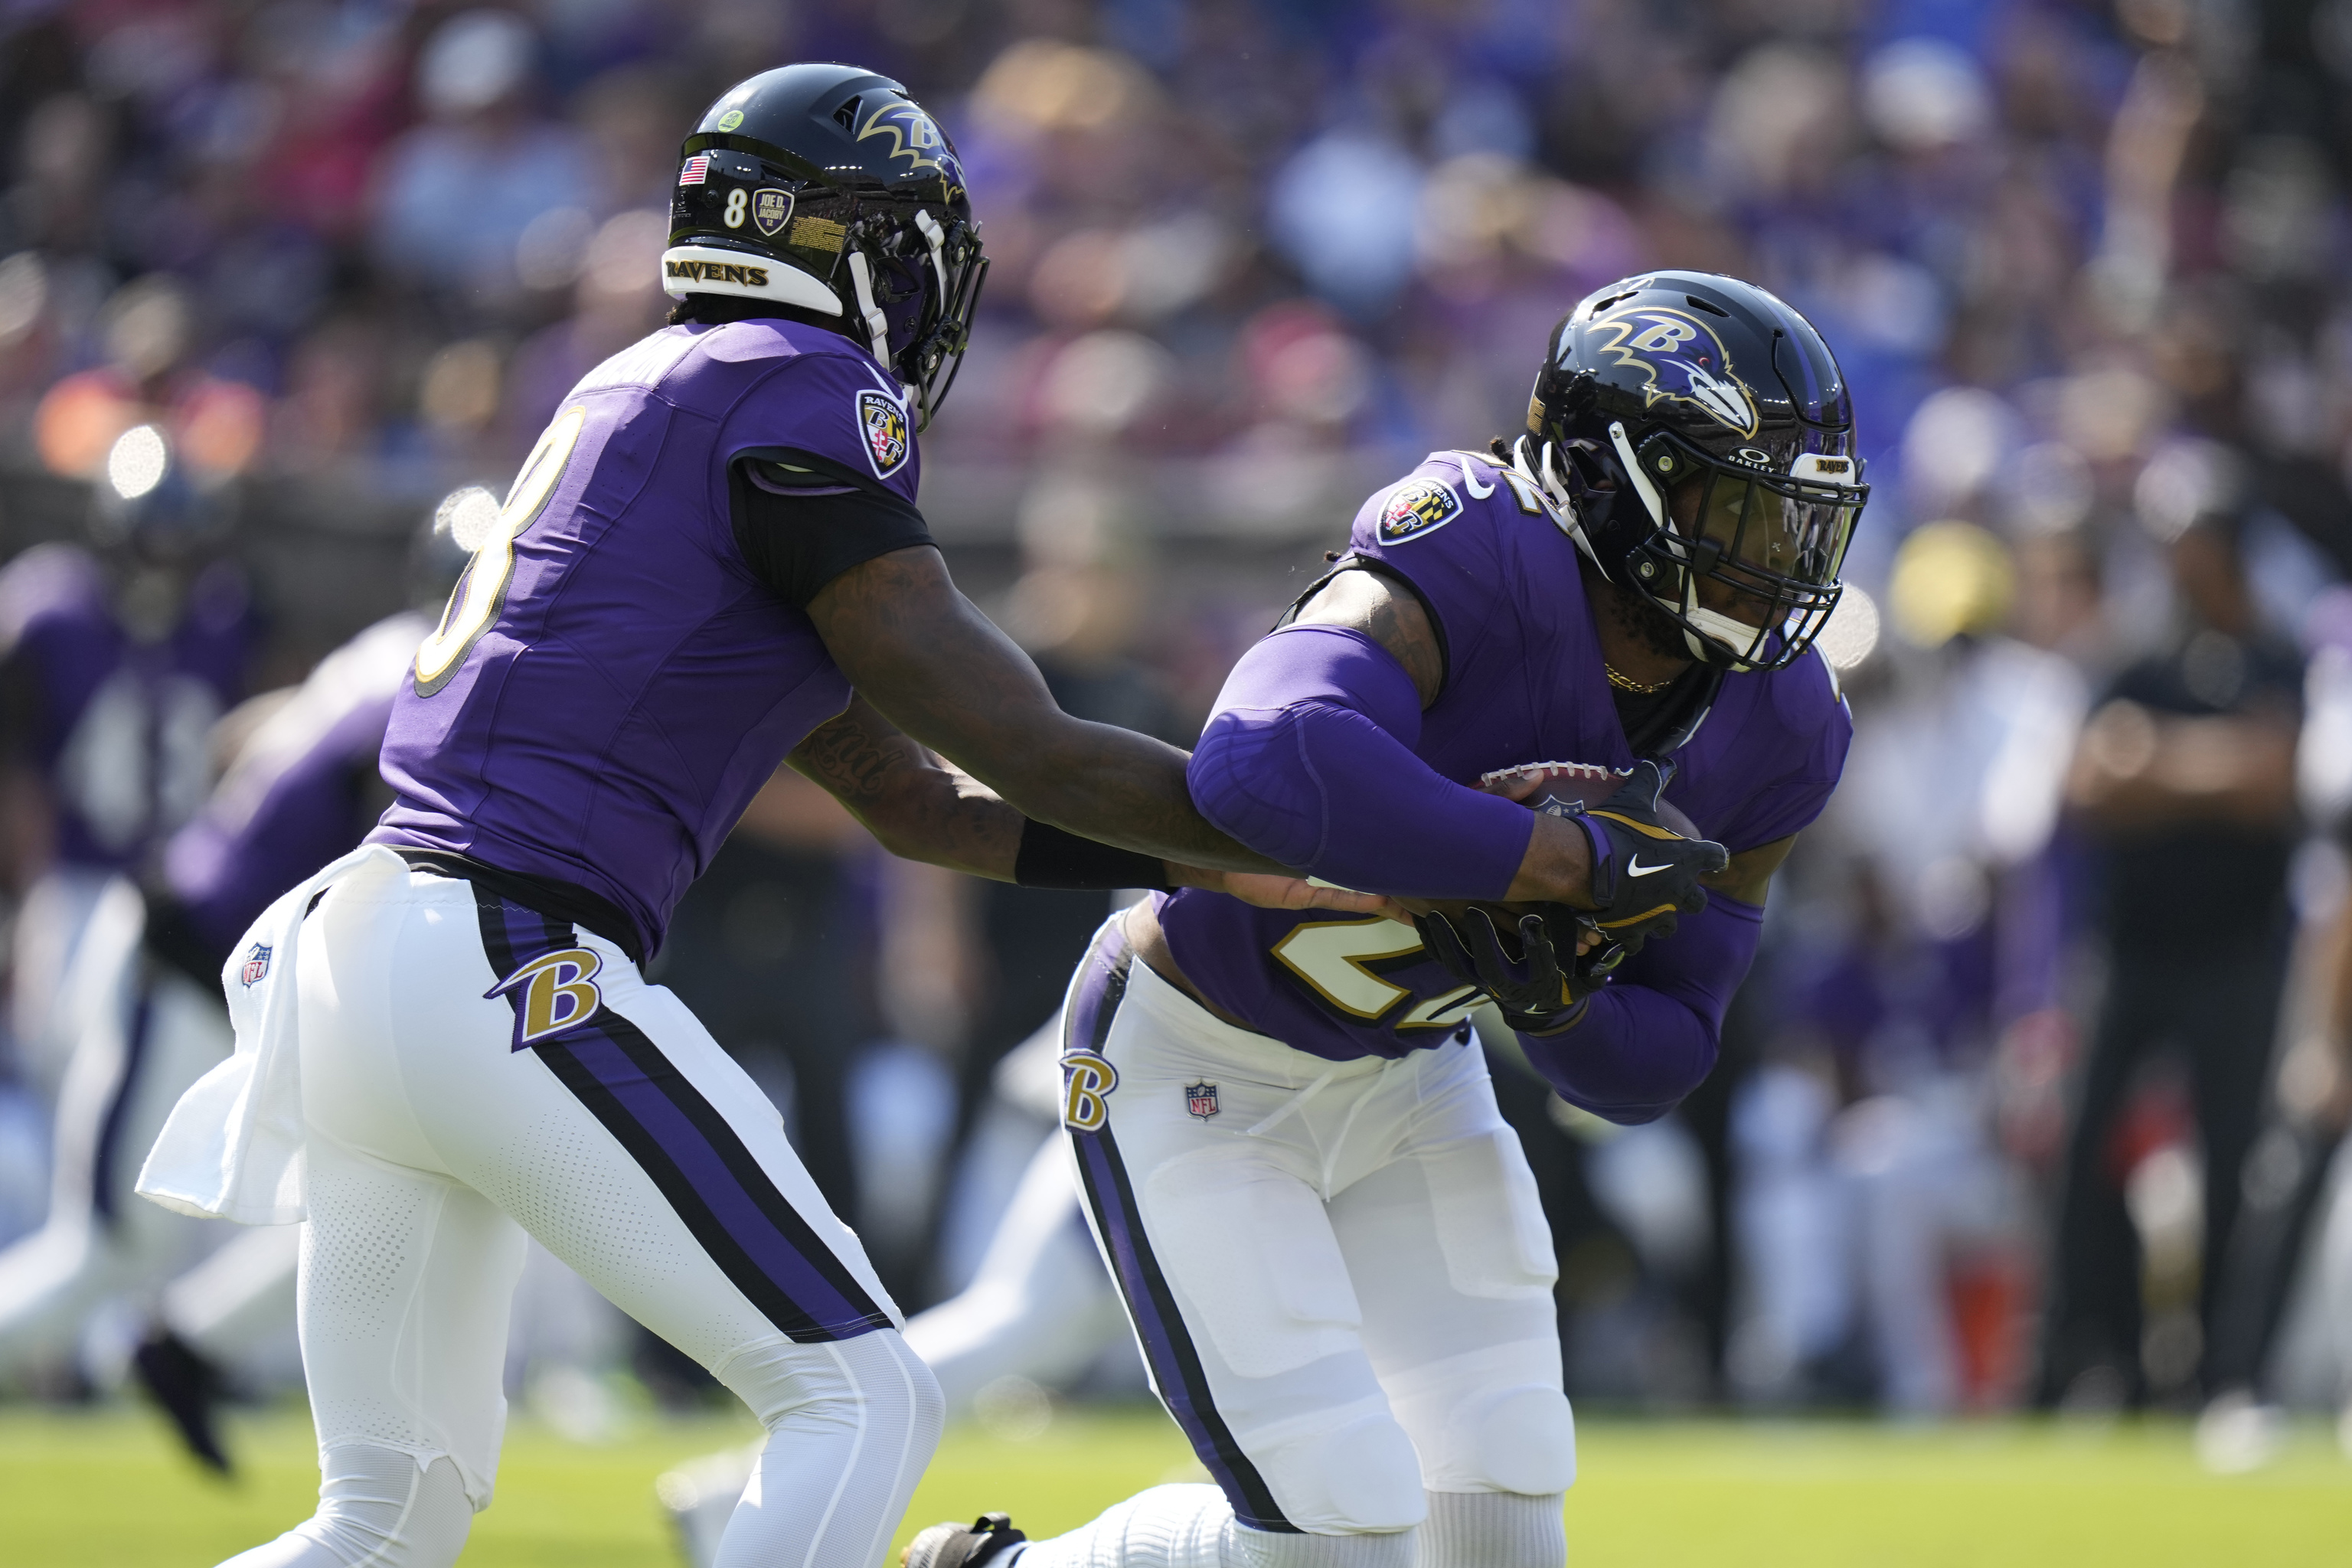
(108, 1488)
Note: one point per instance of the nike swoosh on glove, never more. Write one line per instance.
(1644, 872)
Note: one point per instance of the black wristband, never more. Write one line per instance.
(1050, 857)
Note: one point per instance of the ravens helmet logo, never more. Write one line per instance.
(1684, 359)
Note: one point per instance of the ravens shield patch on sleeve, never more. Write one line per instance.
(1417, 506)
(883, 425)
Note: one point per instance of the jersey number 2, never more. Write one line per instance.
(474, 602)
(1335, 958)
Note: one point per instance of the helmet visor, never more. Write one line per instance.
(1748, 561)
(1772, 530)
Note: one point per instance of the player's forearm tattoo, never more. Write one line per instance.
(850, 757)
(916, 808)
(937, 669)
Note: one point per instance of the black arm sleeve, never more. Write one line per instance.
(802, 521)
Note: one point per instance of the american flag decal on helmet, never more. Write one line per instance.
(696, 170)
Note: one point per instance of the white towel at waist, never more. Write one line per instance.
(232, 1148)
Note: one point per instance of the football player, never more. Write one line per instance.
(144, 995)
(1328, 1240)
(114, 662)
(710, 560)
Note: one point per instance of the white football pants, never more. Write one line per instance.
(590, 1109)
(50, 924)
(142, 1033)
(1339, 1271)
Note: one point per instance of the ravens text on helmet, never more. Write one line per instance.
(718, 272)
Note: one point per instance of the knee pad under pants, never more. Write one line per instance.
(1340, 1273)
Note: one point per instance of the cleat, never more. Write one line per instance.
(188, 1387)
(952, 1545)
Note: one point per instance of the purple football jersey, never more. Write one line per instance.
(288, 805)
(1524, 684)
(613, 683)
(120, 725)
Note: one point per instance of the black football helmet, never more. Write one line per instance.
(1697, 429)
(826, 187)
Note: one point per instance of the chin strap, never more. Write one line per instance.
(861, 278)
(937, 238)
(1650, 499)
(1717, 638)
(1544, 473)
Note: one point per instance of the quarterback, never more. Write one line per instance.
(1328, 1240)
(710, 562)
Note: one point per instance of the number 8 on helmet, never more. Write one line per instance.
(827, 189)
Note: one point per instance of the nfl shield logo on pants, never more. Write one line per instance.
(1201, 1099)
(256, 964)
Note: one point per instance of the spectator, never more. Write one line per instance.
(462, 190)
(2185, 777)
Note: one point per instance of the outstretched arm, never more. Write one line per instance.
(915, 808)
(920, 809)
(920, 653)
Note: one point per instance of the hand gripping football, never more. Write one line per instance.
(1526, 956)
(1647, 853)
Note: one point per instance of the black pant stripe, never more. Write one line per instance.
(777, 1306)
(1182, 1359)
(745, 1167)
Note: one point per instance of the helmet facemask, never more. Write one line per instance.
(1744, 560)
(915, 286)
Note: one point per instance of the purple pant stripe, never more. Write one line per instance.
(1176, 1370)
(1119, 1230)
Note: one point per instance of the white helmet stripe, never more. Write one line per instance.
(715, 270)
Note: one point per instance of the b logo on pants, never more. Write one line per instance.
(1086, 1079)
(551, 993)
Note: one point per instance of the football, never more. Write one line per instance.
(1589, 782)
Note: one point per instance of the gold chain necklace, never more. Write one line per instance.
(1627, 683)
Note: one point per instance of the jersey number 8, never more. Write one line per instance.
(474, 602)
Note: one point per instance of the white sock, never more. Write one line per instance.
(1494, 1530)
(1193, 1527)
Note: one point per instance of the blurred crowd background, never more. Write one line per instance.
(2033, 1096)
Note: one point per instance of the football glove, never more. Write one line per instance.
(1533, 991)
(1644, 872)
